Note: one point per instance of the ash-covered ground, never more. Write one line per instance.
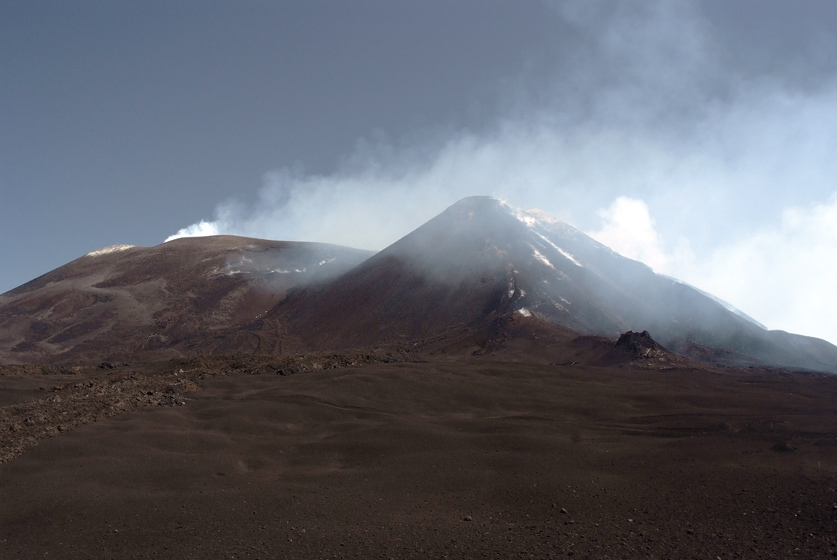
(447, 457)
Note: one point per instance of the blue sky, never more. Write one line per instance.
(697, 136)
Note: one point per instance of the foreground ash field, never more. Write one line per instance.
(495, 384)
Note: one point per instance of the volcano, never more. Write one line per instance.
(467, 274)
(494, 384)
(482, 260)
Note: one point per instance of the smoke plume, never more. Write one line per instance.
(653, 128)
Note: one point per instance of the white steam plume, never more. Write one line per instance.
(642, 119)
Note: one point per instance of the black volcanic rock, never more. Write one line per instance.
(634, 347)
(638, 344)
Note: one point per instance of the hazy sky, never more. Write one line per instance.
(698, 136)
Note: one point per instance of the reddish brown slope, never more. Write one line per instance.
(186, 296)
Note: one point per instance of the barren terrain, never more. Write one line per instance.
(456, 457)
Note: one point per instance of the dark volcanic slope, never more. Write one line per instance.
(482, 259)
(186, 296)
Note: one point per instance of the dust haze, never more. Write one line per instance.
(664, 130)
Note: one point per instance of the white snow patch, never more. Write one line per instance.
(559, 249)
(325, 261)
(572, 258)
(537, 254)
(531, 217)
(232, 271)
(557, 305)
(525, 312)
(512, 283)
(107, 250)
(530, 221)
(521, 215)
(541, 216)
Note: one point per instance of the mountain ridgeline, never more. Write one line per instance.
(478, 264)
